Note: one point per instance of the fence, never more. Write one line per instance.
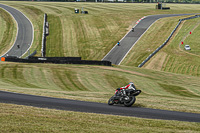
(159, 48)
(45, 33)
(58, 60)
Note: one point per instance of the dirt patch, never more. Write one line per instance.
(131, 26)
(157, 62)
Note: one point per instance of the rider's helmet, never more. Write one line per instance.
(132, 85)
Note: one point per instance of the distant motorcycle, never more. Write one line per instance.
(128, 101)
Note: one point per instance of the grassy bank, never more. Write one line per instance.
(92, 35)
(15, 118)
(187, 62)
(173, 57)
(8, 31)
(160, 90)
(151, 40)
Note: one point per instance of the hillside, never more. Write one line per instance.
(91, 36)
(98, 83)
(67, 79)
(173, 57)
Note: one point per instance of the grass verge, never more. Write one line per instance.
(160, 90)
(92, 35)
(16, 118)
(179, 60)
(173, 57)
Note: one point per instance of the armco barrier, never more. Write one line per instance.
(58, 60)
(159, 48)
(43, 49)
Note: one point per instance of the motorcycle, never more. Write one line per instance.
(128, 101)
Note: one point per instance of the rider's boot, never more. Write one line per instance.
(124, 94)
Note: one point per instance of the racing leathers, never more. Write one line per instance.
(129, 86)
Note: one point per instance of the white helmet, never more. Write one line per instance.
(131, 83)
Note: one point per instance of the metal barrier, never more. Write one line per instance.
(45, 33)
(159, 48)
(58, 60)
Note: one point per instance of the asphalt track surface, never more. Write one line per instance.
(24, 34)
(92, 107)
(118, 53)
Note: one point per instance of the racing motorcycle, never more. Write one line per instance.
(128, 100)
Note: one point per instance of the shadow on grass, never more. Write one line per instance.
(137, 105)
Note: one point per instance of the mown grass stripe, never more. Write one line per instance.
(54, 39)
(178, 90)
(177, 68)
(3, 71)
(198, 70)
(146, 80)
(180, 68)
(116, 81)
(72, 76)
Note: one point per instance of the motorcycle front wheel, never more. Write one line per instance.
(130, 102)
(111, 101)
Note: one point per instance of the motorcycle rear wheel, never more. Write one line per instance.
(111, 101)
(130, 102)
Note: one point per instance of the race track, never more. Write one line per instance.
(92, 107)
(118, 53)
(24, 34)
(25, 37)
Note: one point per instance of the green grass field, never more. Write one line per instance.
(151, 40)
(172, 85)
(90, 36)
(160, 90)
(173, 57)
(31, 119)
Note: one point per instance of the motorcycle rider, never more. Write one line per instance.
(129, 86)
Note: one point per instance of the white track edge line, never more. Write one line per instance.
(18, 29)
(137, 41)
(120, 40)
